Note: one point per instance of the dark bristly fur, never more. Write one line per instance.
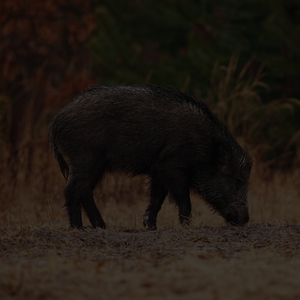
(163, 133)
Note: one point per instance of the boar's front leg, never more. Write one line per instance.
(175, 182)
(180, 194)
(158, 194)
(182, 199)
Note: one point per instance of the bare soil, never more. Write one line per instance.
(259, 261)
(98, 244)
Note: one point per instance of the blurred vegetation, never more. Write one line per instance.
(42, 46)
(270, 128)
(241, 57)
(167, 41)
(44, 62)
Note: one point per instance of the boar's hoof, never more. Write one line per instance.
(99, 224)
(147, 223)
(185, 221)
(72, 227)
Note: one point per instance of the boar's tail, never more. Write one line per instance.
(62, 163)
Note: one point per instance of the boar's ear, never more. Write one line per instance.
(220, 155)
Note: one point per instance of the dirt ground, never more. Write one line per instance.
(259, 261)
(102, 245)
(41, 258)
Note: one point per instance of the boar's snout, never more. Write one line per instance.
(238, 217)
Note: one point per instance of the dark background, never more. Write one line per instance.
(242, 57)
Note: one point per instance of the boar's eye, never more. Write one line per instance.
(238, 183)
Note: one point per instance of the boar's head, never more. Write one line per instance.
(226, 181)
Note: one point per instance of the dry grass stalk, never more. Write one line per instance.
(236, 100)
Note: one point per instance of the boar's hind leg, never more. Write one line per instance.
(79, 193)
(73, 203)
(158, 194)
(92, 211)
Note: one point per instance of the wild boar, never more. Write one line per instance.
(160, 132)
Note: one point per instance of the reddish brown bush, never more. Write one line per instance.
(43, 49)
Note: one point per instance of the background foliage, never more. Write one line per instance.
(134, 38)
(241, 57)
